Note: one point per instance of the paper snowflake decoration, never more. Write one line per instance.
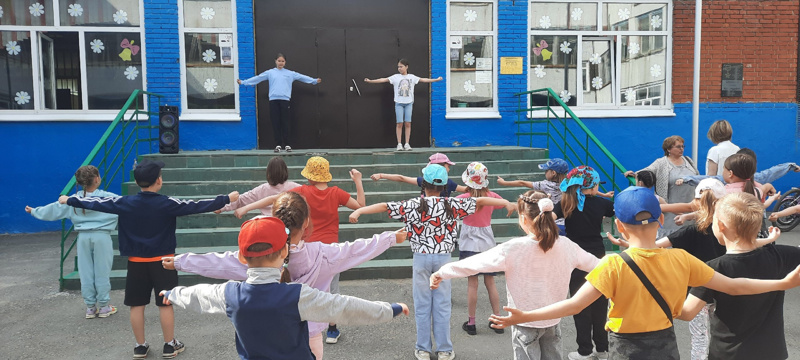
(469, 87)
(13, 48)
(577, 13)
(565, 47)
(207, 13)
(597, 82)
(544, 22)
(75, 10)
(630, 95)
(22, 97)
(469, 58)
(1, 11)
(131, 73)
(97, 46)
(624, 14)
(209, 55)
(655, 70)
(565, 96)
(633, 49)
(470, 15)
(655, 21)
(539, 71)
(36, 9)
(210, 85)
(120, 16)
(595, 59)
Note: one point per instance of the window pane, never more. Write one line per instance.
(471, 17)
(598, 71)
(207, 13)
(563, 16)
(209, 72)
(554, 65)
(113, 68)
(27, 12)
(643, 70)
(471, 73)
(16, 79)
(100, 12)
(634, 17)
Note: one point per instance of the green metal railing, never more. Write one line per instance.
(573, 141)
(112, 153)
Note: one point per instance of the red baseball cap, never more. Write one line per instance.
(440, 158)
(262, 229)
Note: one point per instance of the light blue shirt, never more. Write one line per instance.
(84, 220)
(761, 177)
(280, 82)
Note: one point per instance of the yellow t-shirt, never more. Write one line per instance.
(631, 307)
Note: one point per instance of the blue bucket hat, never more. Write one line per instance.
(585, 177)
(435, 174)
(635, 200)
(558, 165)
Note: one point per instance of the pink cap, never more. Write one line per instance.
(440, 158)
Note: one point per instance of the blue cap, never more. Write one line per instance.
(633, 201)
(435, 174)
(558, 165)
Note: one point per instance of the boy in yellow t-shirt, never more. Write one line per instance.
(639, 327)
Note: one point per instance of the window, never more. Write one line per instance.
(472, 84)
(69, 55)
(601, 54)
(207, 39)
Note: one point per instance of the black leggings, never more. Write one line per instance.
(590, 323)
(279, 115)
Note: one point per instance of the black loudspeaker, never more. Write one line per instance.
(168, 129)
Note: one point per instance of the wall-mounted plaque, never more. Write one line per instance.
(732, 76)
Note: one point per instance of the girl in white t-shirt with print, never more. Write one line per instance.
(403, 98)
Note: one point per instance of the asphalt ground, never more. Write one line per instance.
(37, 321)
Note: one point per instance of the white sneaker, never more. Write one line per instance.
(407, 147)
(399, 147)
(446, 355)
(288, 148)
(422, 355)
(278, 149)
(602, 355)
(577, 356)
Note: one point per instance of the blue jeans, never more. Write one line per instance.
(403, 112)
(431, 305)
(95, 256)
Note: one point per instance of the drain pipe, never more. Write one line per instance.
(698, 13)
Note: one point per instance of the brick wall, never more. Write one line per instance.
(760, 34)
(162, 49)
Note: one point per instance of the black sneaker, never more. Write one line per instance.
(470, 329)
(171, 351)
(140, 351)
(499, 331)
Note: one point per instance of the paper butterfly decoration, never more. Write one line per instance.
(128, 49)
(541, 49)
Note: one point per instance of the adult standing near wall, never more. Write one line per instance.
(280, 93)
(720, 133)
(668, 169)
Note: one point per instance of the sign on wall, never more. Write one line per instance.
(510, 65)
(732, 76)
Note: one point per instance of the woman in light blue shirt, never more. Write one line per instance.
(280, 92)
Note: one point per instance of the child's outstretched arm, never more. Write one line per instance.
(691, 307)
(607, 195)
(269, 200)
(394, 177)
(360, 200)
(179, 207)
(785, 212)
(429, 80)
(517, 183)
(774, 234)
(376, 81)
(746, 286)
(678, 208)
(203, 298)
(774, 173)
(50, 212)
(109, 205)
(213, 265)
(372, 209)
(586, 295)
(492, 260)
(490, 201)
(662, 243)
(344, 256)
(319, 306)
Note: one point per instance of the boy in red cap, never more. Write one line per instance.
(437, 159)
(262, 299)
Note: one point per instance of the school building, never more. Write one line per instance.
(624, 67)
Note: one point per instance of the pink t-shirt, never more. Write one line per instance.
(482, 218)
(739, 187)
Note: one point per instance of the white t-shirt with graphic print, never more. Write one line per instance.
(432, 232)
(403, 87)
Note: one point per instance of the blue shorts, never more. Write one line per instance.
(403, 112)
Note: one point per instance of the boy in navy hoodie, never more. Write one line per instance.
(270, 317)
(146, 234)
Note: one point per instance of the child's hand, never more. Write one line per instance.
(619, 242)
(774, 234)
(233, 196)
(319, 80)
(679, 182)
(168, 262)
(679, 219)
(375, 177)
(63, 199)
(773, 216)
(401, 235)
(609, 194)
(793, 278)
(435, 280)
(366, 80)
(218, 211)
(354, 217)
(511, 207)
(355, 175)
(501, 181)
(239, 81)
(629, 173)
(28, 209)
(405, 308)
(164, 294)
(501, 322)
(240, 212)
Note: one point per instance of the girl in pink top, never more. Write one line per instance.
(476, 236)
(538, 268)
(277, 182)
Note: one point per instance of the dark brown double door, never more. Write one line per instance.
(342, 42)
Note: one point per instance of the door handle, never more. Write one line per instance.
(356, 85)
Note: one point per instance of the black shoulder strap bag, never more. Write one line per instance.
(647, 284)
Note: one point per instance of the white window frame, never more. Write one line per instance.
(85, 114)
(474, 113)
(208, 114)
(615, 110)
